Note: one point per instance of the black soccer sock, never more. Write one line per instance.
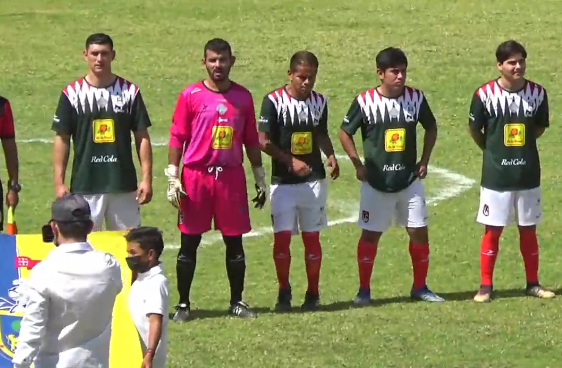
(185, 265)
(235, 266)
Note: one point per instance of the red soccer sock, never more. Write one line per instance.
(488, 254)
(313, 259)
(419, 253)
(282, 257)
(366, 254)
(529, 246)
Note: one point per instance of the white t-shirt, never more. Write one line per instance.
(149, 295)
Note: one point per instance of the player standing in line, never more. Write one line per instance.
(10, 148)
(214, 119)
(507, 116)
(293, 130)
(387, 116)
(99, 112)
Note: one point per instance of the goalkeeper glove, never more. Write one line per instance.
(175, 191)
(261, 187)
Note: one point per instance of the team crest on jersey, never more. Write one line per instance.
(316, 115)
(410, 114)
(222, 109)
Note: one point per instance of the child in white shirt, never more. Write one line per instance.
(148, 298)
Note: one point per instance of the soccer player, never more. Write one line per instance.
(293, 130)
(213, 119)
(391, 178)
(99, 112)
(507, 116)
(8, 137)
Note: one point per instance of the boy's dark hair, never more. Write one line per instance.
(75, 229)
(217, 45)
(303, 58)
(391, 57)
(147, 238)
(509, 49)
(99, 39)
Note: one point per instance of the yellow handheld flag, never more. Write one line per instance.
(12, 228)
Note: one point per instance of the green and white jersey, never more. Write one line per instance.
(100, 122)
(388, 128)
(510, 121)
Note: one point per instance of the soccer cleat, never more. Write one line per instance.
(182, 313)
(425, 295)
(284, 300)
(363, 297)
(242, 310)
(539, 292)
(311, 302)
(484, 295)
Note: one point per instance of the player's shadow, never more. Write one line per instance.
(217, 313)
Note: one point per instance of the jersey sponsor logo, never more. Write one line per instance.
(301, 143)
(104, 130)
(222, 137)
(395, 140)
(514, 162)
(103, 159)
(514, 135)
(394, 167)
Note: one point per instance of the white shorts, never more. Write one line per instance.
(121, 211)
(299, 206)
(499, 208)
(378, 209)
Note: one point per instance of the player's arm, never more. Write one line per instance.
(141, 123)
(251, 142)
(352, 121)
(476, 121)
(8, 137)
(63, 127)
(542, 117)
(429, 124)
(33, 324)
(322, 135)
(155, 309)
(266, 125)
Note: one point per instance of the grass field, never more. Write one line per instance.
(450, 45)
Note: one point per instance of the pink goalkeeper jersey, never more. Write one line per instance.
(214, 125)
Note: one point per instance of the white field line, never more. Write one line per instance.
(456, 184)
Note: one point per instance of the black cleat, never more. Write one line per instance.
(182, 314)
(242, 310)
(284, 300)
(311, 302)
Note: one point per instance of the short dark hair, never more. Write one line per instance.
(147, 237)
(509, 49)
(74, 229)
(391, 57)
(303, 58)
(217, 45)
(99, 39)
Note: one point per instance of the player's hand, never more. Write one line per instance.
(61, 190)
(144, 192)
(12, 199)
(300, 167)
(261, 187)
(175, 190)
(361, 173)
(422, 169)
(334, 167)
(147, 361)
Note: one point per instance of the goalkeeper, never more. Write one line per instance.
(214, 119)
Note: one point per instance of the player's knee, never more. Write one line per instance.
(368, 236)
(234, 248)
(188, 247)
(418, 235)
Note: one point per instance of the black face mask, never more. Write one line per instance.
(136, 264)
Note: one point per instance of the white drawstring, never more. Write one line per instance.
(218, 169)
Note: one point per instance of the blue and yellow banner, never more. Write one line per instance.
(20, 253)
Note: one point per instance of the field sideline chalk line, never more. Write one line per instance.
(457, 184)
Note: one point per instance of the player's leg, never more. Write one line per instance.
(282, 201)
(232, 219)
(123, 211)
(312, 217)
(529, 215)
(495, 212)
(194, 219)
(376, 212)
(412, 214)
(98, 206)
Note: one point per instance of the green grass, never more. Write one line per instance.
(450, 45)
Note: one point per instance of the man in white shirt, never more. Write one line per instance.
(148, 298)
(69, 297)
